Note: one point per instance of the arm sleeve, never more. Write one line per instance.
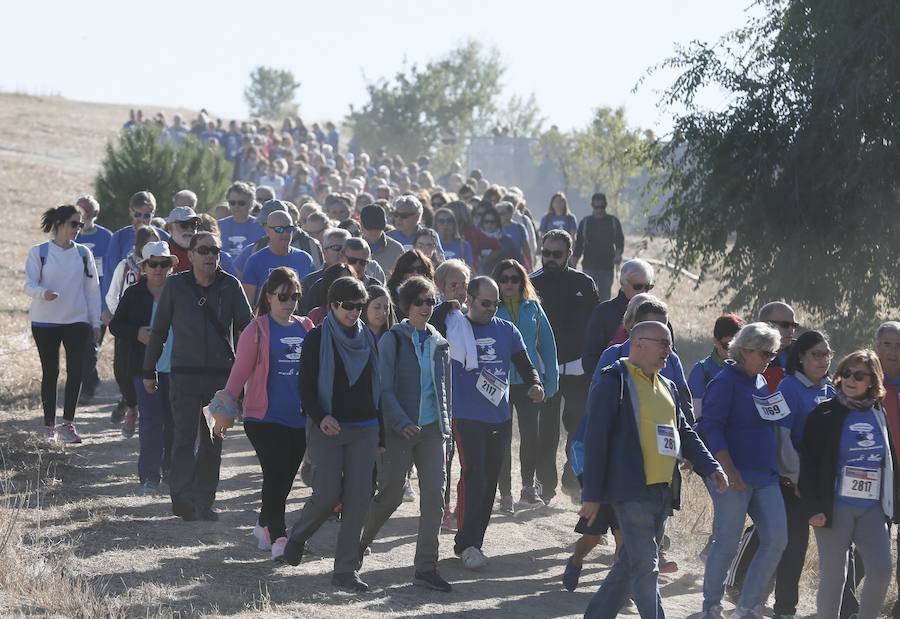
(309, 376)
(120, 326)
(694, 450)
(92, 291)
(114, 287)
(241, 312)
(244, 362)
(716, 410)
(579, 241)
(547, 351)
(684, 392)
(159, 330)
(620, 237)
(810, 468)
(33, 273)
(393, 416)
(603, 404)
(523, 366)
(593, 344)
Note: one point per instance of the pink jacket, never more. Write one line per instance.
(250, 371)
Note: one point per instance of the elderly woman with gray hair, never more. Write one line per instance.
(739, 427)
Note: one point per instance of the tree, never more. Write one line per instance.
(431, 107)
(791, 191)
(554, 147)
(140, 160)
(271, 93)
(520, 117)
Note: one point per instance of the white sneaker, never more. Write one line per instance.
(714, 613)
(262, 538)
(473, 558)
(278, 547)
(746, 613)
(409, 495)
(67, 433)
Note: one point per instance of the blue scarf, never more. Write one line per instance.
(356, 349)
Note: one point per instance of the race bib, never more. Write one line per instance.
(491, 387)
(667, 440)
(859, 483)
(98, 263)
(773, 407)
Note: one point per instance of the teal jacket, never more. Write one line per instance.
(540, 343)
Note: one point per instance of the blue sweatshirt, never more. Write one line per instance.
(98, 242)
(732, 422)
(802, 396)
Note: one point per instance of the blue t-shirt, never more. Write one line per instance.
(120, 246)
(98, 241)
(164, 365)
(263, 262)
(559, 222)
(496, 342)
(703, 372)
(407, 241)
(235, 236)
(283, 382)
(862, 446)
(516, 232)
(802, 399)
(428, 407)
(460, 249)
(673, 370)
(232, 143)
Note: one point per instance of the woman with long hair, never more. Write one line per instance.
(410, 263)
(61, 279)
(379, 312)
(521, 306)
(558, 216)
(451, 240)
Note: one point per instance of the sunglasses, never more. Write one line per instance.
(336, 247)
(287, 296)
(639, 287)
(76, 225)
(820, 355)
(350, 306)
(662, 341)
(784, 324)
(430, 301)
(205, 250)
(552, 253)
(238, 203)
(281, 229)
(858, 375)
(487, 304)
(162, 264)
(509, 279)
(139, 215)
(404, 215)
(767, 354)
(188, 225)
(354, 261)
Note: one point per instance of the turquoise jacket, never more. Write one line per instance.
(540, 343)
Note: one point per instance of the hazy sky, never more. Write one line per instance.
(575, 55)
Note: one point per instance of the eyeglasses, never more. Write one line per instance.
(140, 215)
(766, 354)
(552, 253)
(349, 306)
(238, 203)
(162, 264)
(399, 215)
(188, 225)
(205, 250)
(361, 261)
(819, 355)
(858, 375)
(509, 279)
(76, 225)
(281, 229)
(286, 296)
(488, 304)
(430, 301)
(783, 324)
(335, 247)
(639, 287)
(664, 342)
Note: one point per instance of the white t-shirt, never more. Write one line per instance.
(63, 273)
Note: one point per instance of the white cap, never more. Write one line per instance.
(158, 249)
(181, 213)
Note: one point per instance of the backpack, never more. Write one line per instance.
(44, 251)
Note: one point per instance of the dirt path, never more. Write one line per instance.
(153, 562)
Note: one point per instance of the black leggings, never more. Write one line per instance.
(280, 450)
(74, 338)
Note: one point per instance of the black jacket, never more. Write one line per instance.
(314, 295)
(439, 317)
(604, 322)
(133, 312)
(599, 240)
(819, 459)
(568, 298)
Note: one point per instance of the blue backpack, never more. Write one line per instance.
(44, 251)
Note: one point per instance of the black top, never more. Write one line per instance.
(599, 239)
(132, 313)
(568, 298)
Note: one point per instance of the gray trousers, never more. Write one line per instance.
(342, 473)
(426, 450)
(867, 528)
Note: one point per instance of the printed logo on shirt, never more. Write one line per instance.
(865, 436)
(237, 241)
(294, 345)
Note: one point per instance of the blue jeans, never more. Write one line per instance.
(636, 571)
(603, 280)
(765, 506)
(154, 429)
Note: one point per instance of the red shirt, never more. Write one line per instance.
(480, 242)
(184, 261)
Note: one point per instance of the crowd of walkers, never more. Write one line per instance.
(402, 325)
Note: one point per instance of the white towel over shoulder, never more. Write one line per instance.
(462, 340)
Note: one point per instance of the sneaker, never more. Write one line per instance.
(263, 542)
(571, 575)
(186, 512)
(715, 612)
(448, 522)
(746, 613)
(128, 426)
(278, 547)
(291, 554)
(473, 558)
(349, 581)
(118, 413)
(529, 496)
(431, 580)
(50, 433)
(506, 505)
(148, 488)
(409, 494)
(68, 434)
(208, 513)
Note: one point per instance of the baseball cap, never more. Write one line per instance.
(270, 207)
(158, 249)
(372, 217)
(181, 213)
